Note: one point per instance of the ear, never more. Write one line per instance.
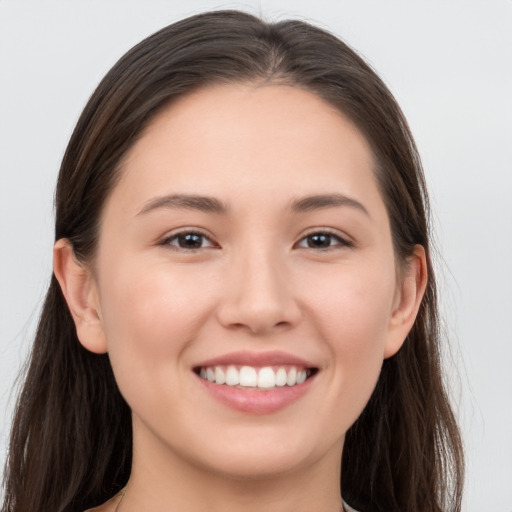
(80, 291)
(410, 291)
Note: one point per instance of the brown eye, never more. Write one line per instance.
(323, 240)
(319, 240)
(188, 241)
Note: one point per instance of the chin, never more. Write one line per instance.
(268, 454)
(258, 467)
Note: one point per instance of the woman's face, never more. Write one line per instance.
(247, 241)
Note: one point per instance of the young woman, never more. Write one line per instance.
(243, 311)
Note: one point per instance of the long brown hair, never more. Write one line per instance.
(71, 440)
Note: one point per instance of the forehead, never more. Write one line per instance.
(243, 140)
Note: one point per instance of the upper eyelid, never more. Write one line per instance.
(201, 231)
(329, 231)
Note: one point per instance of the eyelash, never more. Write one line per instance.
(341, 242)
(167, 241)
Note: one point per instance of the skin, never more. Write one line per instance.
(257, 283)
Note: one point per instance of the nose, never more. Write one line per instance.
(259, 295)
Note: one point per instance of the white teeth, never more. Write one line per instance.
(266, 378)
(247, 376)
(281, 377)
(232, 376)
(291, 378)
(220, 376)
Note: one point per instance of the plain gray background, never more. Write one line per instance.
(448, 62)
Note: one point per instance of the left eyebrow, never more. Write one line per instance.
(188, 202)
(320, 201)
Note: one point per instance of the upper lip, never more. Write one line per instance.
(256, 359)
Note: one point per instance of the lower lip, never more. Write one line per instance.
(254, 401)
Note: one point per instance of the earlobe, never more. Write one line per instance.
(79, 289)
(409, 296)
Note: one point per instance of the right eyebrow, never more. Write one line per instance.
(321, 201)
(190, 202)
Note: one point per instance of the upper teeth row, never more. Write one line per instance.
(248, 376)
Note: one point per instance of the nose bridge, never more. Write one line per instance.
(259, 294)
(262, 270)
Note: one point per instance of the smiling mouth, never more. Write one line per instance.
(255, 378)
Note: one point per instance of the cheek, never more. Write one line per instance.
(149, 316)
(354, 306)
(353, 310)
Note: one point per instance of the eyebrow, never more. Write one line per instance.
(188, 202)
(320, 201)
(213, 205)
